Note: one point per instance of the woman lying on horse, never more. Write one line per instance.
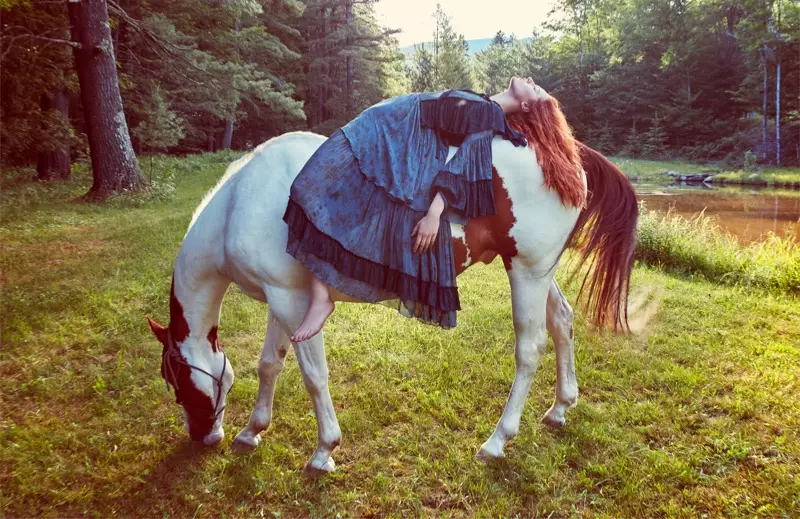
(366, 212)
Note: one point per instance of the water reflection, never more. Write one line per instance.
(746, 213)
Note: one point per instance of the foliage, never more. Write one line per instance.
(749, 161)
(31, 70)
(495, 64)
(189, 70)
(634, 144)
(421, 71)
(654, 138)
(161, 128)
(446, 65)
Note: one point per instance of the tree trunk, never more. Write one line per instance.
(763, 53)
(227, 137)
(54, 164)
(778, 113)
(322, 98)
(350, 71)
(778, 89)
(114, 165)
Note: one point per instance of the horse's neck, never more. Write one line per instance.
(198, 284)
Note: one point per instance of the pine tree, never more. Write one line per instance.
(633, 144)
(653, 140)
(422, 72)
(451, 59)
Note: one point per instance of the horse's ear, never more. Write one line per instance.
(159, 331)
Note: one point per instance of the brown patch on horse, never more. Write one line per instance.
(177, 321)
(548, 133)
(212, 338)
(198, 405)
(488, 236)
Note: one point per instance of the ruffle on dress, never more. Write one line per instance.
(466, 181)
(356, 238)
(355, 203)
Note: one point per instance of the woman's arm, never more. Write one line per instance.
(427, 228)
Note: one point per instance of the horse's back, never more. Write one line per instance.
(239, 224)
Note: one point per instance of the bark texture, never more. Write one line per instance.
(114, 164)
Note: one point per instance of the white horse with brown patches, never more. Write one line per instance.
(237, 235)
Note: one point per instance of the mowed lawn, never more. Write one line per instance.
(696, 415)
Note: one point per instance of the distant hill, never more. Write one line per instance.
(473, 46)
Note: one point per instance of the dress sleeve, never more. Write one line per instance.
(458, 113)
(466, 182)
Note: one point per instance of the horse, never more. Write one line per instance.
(237, 235)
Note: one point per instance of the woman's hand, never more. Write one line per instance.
(425, 232)
(426, 229)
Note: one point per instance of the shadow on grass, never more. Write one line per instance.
(173, 475)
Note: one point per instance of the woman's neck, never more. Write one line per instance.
(506, 102)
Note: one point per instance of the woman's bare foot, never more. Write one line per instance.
(316, 315)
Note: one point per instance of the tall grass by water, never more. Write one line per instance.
(698, 246)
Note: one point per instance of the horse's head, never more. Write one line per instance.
(201, 376)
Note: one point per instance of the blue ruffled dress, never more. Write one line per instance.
(356, 201)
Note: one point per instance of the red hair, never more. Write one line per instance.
(546, 129)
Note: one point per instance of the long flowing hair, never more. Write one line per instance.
(546, 129)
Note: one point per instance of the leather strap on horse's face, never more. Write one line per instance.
(172, 354)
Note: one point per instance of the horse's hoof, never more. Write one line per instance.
(553, 420)
(315, 472)
(214, 438)
(485, 457)
(241, 445)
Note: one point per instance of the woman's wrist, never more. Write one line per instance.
(435, 212)
(437, 206)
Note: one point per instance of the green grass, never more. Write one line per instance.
(698, 246)
(696, 415)
(770, 176)
(655, 171)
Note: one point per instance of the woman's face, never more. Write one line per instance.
(526, 92)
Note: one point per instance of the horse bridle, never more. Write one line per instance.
(171, 354)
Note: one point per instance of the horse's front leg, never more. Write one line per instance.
(289, 306)
(314, 368)
(560, 327)
(270, 366)
(528, 300)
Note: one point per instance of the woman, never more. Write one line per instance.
(365, 213)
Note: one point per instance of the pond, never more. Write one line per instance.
(749, 214)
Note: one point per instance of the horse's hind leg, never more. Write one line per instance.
(560, 327)
(528, 302)
(270, 366)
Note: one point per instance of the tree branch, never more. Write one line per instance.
(73, 44)
(9, 41)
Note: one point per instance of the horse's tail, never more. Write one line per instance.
(606, 232)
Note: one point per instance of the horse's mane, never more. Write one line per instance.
(547, 131)
(233, 168)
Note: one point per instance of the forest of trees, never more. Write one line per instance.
(110, 80)
(650, 78)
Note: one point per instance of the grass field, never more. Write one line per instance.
(655, 171)
(696, 415)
